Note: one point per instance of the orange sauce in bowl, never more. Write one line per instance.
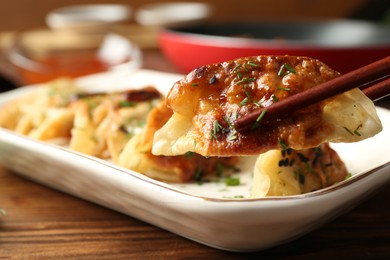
(62, 64)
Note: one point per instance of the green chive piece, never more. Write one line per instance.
(356, 132)
(283, 145)
(252, 63)
(189, 154)
(258, 119)
(349, 131)
(289, 68)
(245, 80)
(244, 101)
(274, 98)
(194, 84)
(216, 129)
(125, 103)
(285, 69)
(248, 94)
(236, 67)
(230, 181)
(283, 88)
(232, 136)
(242, 81)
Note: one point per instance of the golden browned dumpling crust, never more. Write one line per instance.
(216, 95)
(212, 97)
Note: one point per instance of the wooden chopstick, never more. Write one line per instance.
(374, 72)
(378, 90)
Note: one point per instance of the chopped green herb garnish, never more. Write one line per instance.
(283, 88)
(257, 104)
(244, 101)
(232, 136)
(274, 98)
(309, 168)
(236, 67)
(285, 69)
(230, 181)
(289, 68)
(248, 94)
(216, 129)
(252, 63)
(317, 154)
(349, 175)
(302, 157)
(356, 132)
(194, 84)
(239, 75)
(282, 144)
(258, 119)
(189, 154)
(349, 131)
(126, 103)
(245, 80)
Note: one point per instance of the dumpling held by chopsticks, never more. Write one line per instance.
(208, 101)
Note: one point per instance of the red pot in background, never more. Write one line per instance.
(344, 45)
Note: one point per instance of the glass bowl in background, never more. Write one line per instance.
(88, 17)
(42, 55)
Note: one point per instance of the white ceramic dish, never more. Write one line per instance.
(206, 213)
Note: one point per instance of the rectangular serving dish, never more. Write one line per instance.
(211, 213)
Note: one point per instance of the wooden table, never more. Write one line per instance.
(43, 223)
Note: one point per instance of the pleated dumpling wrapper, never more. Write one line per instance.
(289, 172)
(207, 102)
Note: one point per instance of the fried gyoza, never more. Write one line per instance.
(41, 114)
(104, 123)
(290, 172)
(207, 102)
(137, 155)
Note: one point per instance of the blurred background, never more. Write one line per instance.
(18, 16)
(27, 14)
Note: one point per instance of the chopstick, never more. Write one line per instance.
(377, 91)
(373, 77)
